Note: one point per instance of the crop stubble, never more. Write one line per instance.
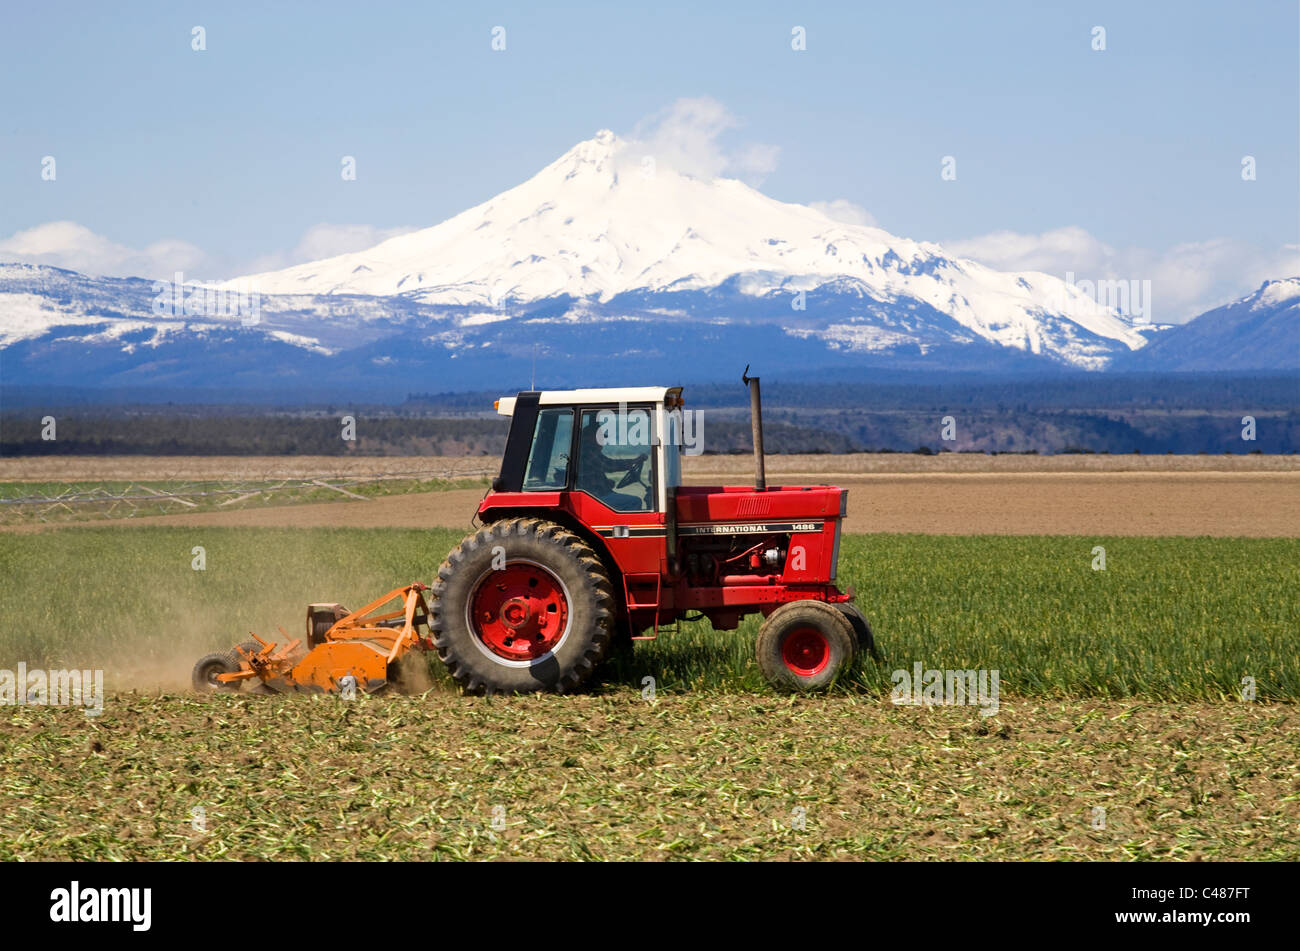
(697, 777)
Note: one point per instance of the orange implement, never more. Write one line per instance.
(363, 645)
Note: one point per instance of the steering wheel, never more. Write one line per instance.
(633, 473)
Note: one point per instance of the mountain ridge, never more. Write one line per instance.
(603, 266)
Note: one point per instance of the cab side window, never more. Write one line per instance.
(616, 458)
(548, 460)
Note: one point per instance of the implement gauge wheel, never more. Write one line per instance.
(204, 677)
(521, 606)
(805, 646)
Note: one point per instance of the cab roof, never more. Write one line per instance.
(614, 394)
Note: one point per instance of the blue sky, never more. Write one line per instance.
(1126, 160)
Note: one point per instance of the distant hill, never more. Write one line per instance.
(1258, 332)
(1115, 413)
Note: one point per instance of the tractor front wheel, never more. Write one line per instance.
(521, 606)
(805, 646)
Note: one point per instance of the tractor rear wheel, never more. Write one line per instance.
(204, 677)
(805, 646)
(521, 606)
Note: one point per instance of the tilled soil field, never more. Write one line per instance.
(1251, 496)
(157, 468)
(1221, 504)
(734, 467)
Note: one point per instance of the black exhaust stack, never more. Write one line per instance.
(756, 418)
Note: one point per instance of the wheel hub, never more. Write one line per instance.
(806, 651)
(515, 613)
(520, 612)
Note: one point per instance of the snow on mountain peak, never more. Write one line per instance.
(606, 218)
(1273, 293)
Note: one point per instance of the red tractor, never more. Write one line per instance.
(589, 536)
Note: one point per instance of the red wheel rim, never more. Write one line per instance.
(806, 651)
(520, 612)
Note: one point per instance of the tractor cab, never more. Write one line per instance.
(618, 448)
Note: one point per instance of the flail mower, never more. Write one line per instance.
(589, 539)
(367, 646)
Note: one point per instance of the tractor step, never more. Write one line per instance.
(642, 590)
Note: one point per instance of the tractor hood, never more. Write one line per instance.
(811, 516)
(721, 505)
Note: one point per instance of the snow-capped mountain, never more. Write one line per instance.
(601, 224)
(599, 269)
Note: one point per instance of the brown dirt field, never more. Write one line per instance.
(867, 463)
(1142, 504)
(1224, 504)
(218, 468)
(738, 467)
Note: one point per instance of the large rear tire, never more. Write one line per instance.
(521, 606)
(805, 646)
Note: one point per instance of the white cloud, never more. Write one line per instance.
(845, 212)
(75, 247)
(1186, 280)
(67, 244)
(325, 241)
(685, 137)
(1012, 251)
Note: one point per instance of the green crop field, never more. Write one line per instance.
(1121, 731)
(1168, 619)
